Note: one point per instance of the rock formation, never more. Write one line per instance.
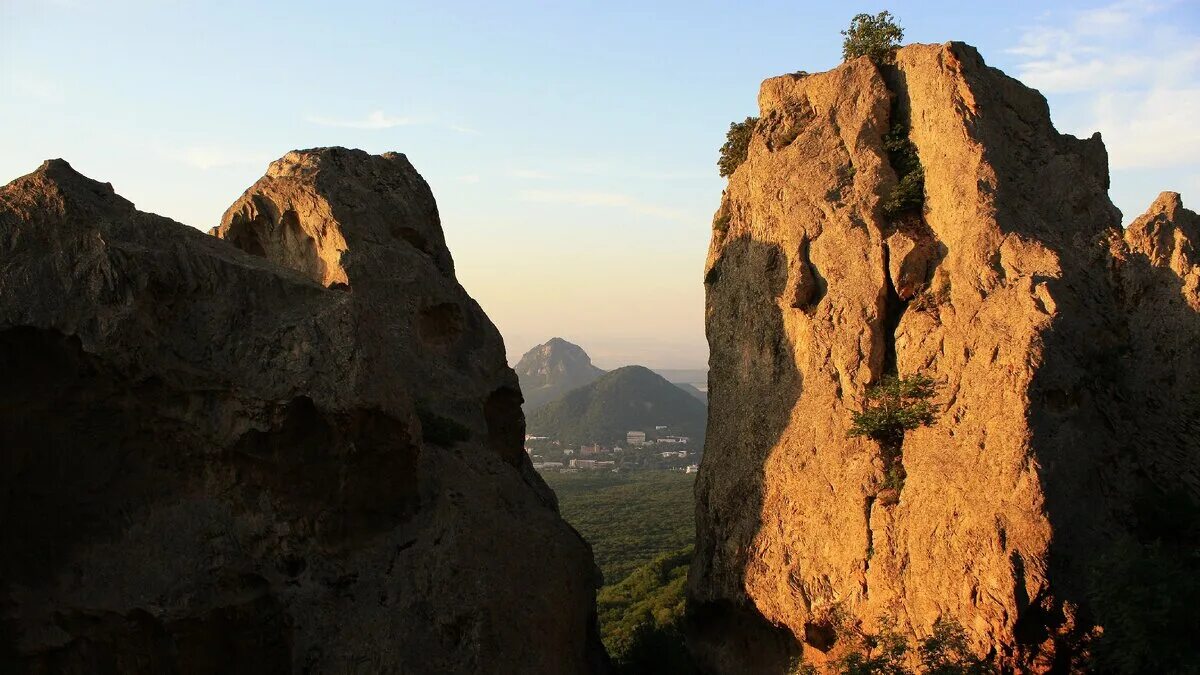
(292, 447)
(1064, 355)
(550, 370)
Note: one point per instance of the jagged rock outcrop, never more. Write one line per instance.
(550, 370)
(1007, 288)
(1156, 268)
(295, 450)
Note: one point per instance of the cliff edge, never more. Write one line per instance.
(1011, 284)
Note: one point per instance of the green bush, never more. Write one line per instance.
(944, 652)
(909, 193)
(737, 146)
(893, 407)
(875, 37)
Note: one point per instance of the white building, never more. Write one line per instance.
(635, 438)
(692, 468)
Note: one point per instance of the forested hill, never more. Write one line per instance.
(632, 398)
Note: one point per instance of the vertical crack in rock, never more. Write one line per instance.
(893, 311)
(1063, 339)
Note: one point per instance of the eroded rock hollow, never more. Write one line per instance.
(294, 446)
(1063, 350)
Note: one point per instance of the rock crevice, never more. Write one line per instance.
(1013, 287)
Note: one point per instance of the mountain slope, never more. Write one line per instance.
(550, 370)
(693, 391)
(632, 398)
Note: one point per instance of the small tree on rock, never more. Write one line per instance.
(893, 407)
(875, 37)
(737, 146)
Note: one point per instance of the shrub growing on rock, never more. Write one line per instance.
(893, 407)
(944, 652)
(875, 37)
(737, 146)
(909, 192)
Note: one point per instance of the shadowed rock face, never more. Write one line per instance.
(303, 455)
(1013, 288)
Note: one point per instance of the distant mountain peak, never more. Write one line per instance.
(553, 368)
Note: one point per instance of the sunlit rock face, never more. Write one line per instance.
(292, 447)
(1012, 287)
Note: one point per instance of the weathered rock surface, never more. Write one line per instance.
(1013, 289)
(301, 456)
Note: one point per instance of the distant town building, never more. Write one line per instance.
(692, 468)
(568, 451)
(635, 438)
(529, 437)
(593, 449)
(680, 440)
(673, 453)
(661, 427)
(592, 464)
(547, 465)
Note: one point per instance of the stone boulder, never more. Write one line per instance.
(292, 447)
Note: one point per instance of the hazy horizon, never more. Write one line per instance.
(574, 169)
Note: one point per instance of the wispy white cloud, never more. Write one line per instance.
(378, 119)
(531, 174)
(374, 120)
(213, 157)
(601, 199)
(1136, 71)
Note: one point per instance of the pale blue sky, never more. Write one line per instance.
(571, 146)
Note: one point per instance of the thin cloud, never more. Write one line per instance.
(378, 119)
(209, 157)
(531, 174)
(1136, 72)
(374, 120)
(601, 199)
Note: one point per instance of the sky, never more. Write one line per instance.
(571, 146)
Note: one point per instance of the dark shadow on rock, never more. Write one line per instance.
(753, 385)
(92, 450)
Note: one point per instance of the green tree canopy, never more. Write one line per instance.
(875, 37)
(737, 146)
